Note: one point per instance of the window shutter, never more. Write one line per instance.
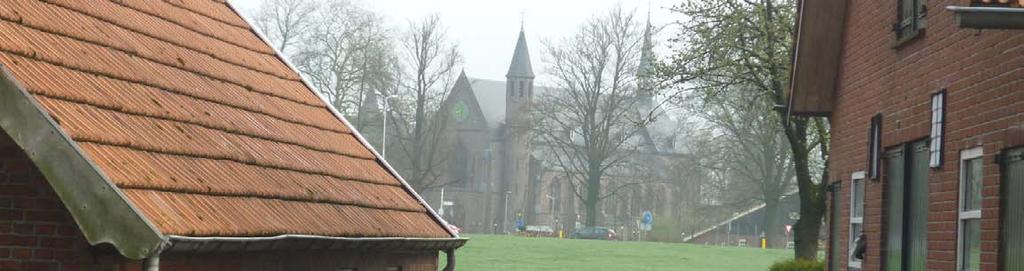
(910, 18)
(894, 168)
(917, 199)
(834, 241)
(1013, 222)
(907, 15)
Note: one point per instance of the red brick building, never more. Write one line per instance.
(926, 100)
(140, 135)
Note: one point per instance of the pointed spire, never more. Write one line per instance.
(647, 51)
(647, 59)
(521, 66)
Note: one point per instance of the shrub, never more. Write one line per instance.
(797, 265)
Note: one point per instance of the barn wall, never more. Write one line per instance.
(36, 232)
(300, 260)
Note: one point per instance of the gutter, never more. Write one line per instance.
(988, 17)
(177, 243)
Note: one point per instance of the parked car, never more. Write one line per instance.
(596, 233)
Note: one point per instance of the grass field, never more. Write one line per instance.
(498, 252)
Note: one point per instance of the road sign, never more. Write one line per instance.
(648, 218)
(789, 228)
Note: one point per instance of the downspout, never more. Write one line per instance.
(152, 263)
(450, 266)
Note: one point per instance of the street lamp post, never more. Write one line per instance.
(384, 133)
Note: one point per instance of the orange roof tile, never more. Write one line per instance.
(200, 124)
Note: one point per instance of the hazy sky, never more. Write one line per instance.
(486, 30)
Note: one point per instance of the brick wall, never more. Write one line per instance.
(983, 75)
(36, 232)
(300, 260)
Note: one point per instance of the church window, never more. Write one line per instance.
(522, 87)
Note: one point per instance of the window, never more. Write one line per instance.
(835, 247)
(969, 255)
(911, 19)
(938, 129)
(522, 88)
(875, 147)
(907, 207)
(856, 215)
(1012, 238)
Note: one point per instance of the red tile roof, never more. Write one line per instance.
(200, 124)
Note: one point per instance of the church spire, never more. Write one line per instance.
(647, 59)
(521, 66)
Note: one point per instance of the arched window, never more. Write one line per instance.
(522, 88)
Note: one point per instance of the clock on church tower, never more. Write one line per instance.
(460, 111)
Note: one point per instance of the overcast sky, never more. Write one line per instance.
(486, 30)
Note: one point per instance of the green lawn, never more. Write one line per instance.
(498, 252)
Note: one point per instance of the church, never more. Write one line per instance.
(498, 179)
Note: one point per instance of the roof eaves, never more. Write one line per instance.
(186, 244)
(817, 53)
(100, 209)
(441, 222)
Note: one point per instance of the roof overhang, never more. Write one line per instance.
(816, 57)
(989, 17)
(185, 244)
(101, 210)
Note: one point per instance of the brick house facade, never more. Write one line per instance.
(873, 69)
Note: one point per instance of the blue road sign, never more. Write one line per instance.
(648, 217)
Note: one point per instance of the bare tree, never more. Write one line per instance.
(342, 48)
(429, 62)
(347, 55)
(744, 46)
(285, 22)
(751, 145)
(589, 126)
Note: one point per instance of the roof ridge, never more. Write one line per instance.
(95, 141)
(283, 198)
(225, 129)
(171, 91)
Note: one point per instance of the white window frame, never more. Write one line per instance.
(938, 124)
(962, 216)
(852, 242)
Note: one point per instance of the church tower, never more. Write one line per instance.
(518, 96)
(519, 85)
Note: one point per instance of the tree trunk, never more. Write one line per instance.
(771, 228)
(812, 202)
(593, 198)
